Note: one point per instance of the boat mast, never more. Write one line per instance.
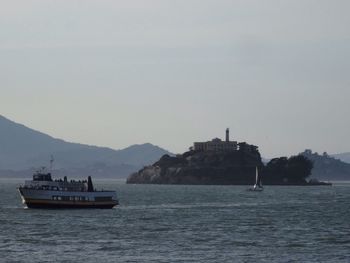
(51, 162)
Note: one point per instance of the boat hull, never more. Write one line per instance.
(67, 200)
(43, 205)
(255, 190)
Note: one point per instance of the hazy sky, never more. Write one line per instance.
(115, 73)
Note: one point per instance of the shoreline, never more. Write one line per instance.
(276, 184)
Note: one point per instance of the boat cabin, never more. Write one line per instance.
(42, 177)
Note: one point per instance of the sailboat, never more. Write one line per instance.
(258, 183)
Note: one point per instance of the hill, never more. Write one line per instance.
(201, 167)
(22, 148)
(344, 157)
(327, 167)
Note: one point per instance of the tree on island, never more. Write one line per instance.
(293, 170)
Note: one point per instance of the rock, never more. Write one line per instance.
(201, 167)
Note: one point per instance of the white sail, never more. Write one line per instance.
(258, 184)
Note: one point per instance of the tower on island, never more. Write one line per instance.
(227, 135)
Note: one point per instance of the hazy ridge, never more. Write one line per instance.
(327, 167)
(345, 157)
(22, 149)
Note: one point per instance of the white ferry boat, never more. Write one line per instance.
(43, 192)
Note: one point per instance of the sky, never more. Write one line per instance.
(115, 73)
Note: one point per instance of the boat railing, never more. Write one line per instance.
(55, 188)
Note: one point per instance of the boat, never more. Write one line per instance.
(258, 183)
(44, 192)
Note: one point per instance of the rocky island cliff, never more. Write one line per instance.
(223, 162)
(200, 168)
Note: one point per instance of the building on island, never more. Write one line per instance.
(217, 144)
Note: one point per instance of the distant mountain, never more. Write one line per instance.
(345, 157)
(327, 167)
(23, 148)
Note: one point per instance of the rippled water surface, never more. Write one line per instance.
(159, 223)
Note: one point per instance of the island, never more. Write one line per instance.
(219, 162)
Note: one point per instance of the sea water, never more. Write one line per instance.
(174, 223)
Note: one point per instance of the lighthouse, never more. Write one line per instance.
(227, 135)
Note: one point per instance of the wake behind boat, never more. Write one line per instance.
(258, 183)
(43, 192)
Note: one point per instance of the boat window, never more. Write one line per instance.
(103, 198)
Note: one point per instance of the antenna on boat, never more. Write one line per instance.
(51, 162)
